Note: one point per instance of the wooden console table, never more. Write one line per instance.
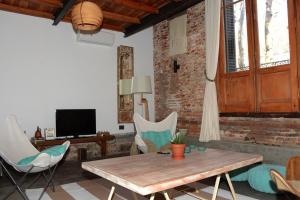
(100, 140)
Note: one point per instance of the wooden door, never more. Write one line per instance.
(236, 88)
(277, 86)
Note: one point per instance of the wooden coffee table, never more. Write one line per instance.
(151, 173)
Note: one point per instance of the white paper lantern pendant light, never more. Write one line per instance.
(86, 16)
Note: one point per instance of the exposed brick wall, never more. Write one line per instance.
(183, 91)
(273, 131)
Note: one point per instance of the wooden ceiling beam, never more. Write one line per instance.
(64, 11)
(47, 15)
(106, 14)
(25, 11)
(137, 5)
(121, 18)
(167, 11)
(112, 27)
(51, 3)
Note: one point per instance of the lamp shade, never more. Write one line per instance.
(125, 86)
(141, 84)
(86, 16)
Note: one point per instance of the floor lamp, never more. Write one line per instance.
(142, 85)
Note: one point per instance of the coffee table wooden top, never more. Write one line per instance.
(151, 173)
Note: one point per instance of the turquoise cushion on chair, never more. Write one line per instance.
(28, 160)
(260, 179)
(55, 150)
(158, 138)
(52, 151)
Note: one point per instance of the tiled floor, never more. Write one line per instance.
(71, 172)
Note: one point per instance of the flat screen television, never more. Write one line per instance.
(75, 122)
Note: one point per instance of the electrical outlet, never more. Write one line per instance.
(121, 127)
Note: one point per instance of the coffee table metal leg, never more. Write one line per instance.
(166, 195)
(111, 194)
(152, 196)
(230, 186)
(134, 195)
(1, 171)
(197, 190)
(216, 187)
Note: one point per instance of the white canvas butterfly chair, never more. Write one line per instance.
(142, 125)
(15, 146)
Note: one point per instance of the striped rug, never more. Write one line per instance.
(98, 189)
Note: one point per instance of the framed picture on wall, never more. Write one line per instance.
(125, 73)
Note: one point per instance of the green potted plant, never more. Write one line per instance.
(178, 146)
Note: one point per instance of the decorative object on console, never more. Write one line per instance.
(35, 141)
(87, 16)
(142, 85)
(38, 133)
(125, 73)
(49, 133)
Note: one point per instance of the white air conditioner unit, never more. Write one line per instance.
(100, 38)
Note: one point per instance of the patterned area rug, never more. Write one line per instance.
(98, 189)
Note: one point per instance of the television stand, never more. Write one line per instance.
(100, 139)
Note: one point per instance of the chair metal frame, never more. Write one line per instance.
(283, 184)
(18, 185)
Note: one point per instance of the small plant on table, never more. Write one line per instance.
(178, 146)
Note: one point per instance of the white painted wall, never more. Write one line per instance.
(43, 68)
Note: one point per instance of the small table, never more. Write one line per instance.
(151, 173)
(101, 140)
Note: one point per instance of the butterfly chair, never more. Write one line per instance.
(142, 126)
(17, 151)
(285, 185)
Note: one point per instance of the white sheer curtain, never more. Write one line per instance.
(210, 118)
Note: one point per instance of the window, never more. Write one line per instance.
(236, 36)
(258, 56)
(273, 30)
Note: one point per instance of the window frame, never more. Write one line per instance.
(255, 71)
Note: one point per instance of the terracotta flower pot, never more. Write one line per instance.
(177, 151)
